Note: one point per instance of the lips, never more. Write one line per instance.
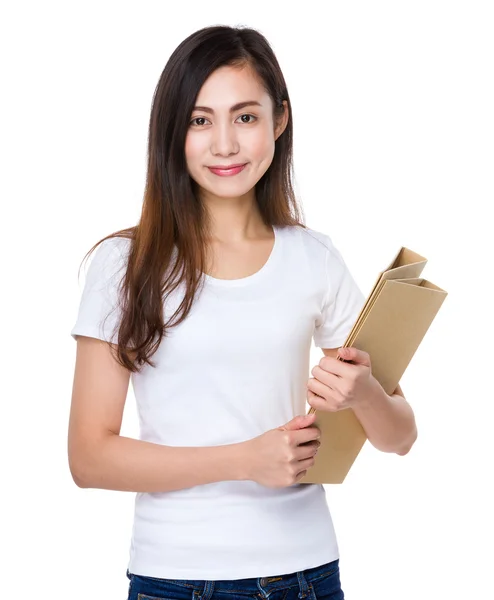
(226, 171)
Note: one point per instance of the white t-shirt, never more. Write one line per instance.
(235, 368)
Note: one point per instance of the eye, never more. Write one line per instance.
(204, 119)
(247, 115)
(198, 119)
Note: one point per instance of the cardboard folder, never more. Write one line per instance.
(390, 327)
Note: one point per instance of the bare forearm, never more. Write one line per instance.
(131, 465)
(388, 422)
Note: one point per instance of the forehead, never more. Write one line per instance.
(228, 85)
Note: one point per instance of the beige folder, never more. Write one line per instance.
(390, 327)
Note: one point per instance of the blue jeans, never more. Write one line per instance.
(312, 584)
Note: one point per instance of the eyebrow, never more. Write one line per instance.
(232, 109)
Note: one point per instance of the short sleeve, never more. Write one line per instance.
(342, 303)
(99, 307)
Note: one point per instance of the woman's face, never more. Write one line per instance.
(220, 135)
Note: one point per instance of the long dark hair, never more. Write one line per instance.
(172, 214)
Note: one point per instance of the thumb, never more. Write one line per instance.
(358, 357)
(299, 422)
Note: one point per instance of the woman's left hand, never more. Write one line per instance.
(337, 385)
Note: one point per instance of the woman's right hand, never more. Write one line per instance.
(276, 459)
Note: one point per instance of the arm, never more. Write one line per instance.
(130, 465)
(388, 420)
(99, 457)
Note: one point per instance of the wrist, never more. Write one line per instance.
(241, 462)
(375, 397)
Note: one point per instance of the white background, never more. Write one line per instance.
(393, 118)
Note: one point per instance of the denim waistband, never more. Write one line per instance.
(255, 585)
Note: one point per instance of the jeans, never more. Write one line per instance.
(318, 583)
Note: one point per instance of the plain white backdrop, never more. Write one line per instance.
(394, 125)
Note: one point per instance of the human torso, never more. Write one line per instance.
(236, 367)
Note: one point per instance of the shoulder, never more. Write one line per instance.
(114, 245)
(318, 242)
(111, 250)
(334, 265)
(108, 259)
(319, 236)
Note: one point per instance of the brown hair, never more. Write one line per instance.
(171, 212)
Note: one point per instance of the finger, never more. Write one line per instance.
(331, 380)
(316, 401)
(309, 434)
(336, 383)
(317, 387)
(308, 450)
(355, 355)
(336, 367)
(319, 403)
(320, 396)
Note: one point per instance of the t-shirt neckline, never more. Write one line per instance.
(261, 273)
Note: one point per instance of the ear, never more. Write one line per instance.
(281, 121)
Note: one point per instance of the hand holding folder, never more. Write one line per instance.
(390, 327)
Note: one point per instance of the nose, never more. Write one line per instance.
(224, 141)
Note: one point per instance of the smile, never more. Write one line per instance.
(227, 172)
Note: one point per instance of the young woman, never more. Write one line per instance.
(210, 304)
